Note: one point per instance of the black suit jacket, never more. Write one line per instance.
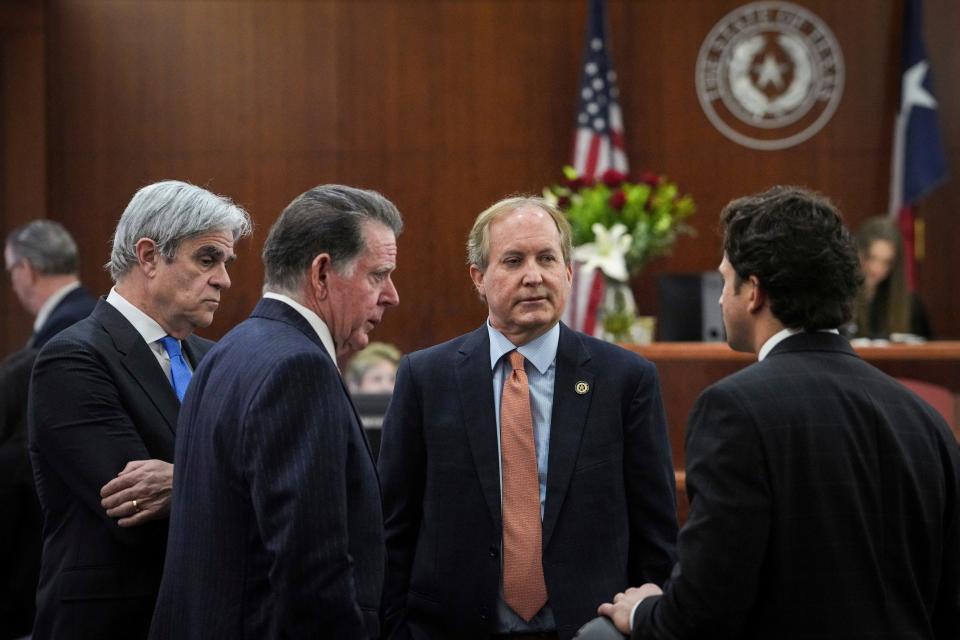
(610, 516)
(823, 504)
(20, 528)
(276, 529)
(98, 399)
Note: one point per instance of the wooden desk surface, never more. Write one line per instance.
(945, 350)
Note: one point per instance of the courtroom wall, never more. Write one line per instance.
(444, 106)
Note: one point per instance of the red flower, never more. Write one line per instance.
(576, 184)
(613, 178)
(563, 202)
(650, 178)
(617, 199)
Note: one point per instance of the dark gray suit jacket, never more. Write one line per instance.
(276, 529)
(610, 514)
(823, 504)
(98, 399)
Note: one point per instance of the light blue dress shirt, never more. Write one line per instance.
(541, 369)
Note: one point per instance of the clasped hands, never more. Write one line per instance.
(622, 606)
(140, 493)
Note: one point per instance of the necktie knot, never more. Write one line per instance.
(516, 360)
(180, 373)
(172, 346)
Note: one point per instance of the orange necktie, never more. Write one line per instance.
(523, 586)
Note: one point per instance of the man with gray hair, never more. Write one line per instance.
(104, 400)
(41, 259)
(276, 528)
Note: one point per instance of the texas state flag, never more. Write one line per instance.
(918, 164)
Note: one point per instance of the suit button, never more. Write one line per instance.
(484, 613)
(494, 552)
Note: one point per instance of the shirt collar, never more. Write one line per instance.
(541, 352)
(48, 306)
(146, 326)
(779, 337)
(315, 321)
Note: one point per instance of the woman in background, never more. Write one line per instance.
(373, 369)
(885, 304)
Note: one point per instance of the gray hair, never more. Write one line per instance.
(478, 242)
(326, 219)
(169, 212)
(46, 245)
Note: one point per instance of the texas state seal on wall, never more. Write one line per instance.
(769, 75)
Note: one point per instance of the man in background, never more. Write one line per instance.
(824, 496)
(104, 399)
(277, 529)
(526, 469)
(41, 260)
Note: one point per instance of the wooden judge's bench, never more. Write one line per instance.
(687, 368)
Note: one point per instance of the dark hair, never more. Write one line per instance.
(326, 219)
(795, 243)
(893, 294)
(46, 245)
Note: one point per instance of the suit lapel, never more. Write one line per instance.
(567, 423)
(139, 361)
(475, 381)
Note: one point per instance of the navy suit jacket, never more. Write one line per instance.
(823, 504)
(276, 529)
(20, 533)
(610, 514)
(98, 399)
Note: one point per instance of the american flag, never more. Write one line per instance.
(598, 141)
(598, 145)
(918, 163)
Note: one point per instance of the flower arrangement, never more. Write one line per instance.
(620, 225)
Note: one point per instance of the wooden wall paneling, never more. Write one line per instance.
(23, 166)
(444, 107)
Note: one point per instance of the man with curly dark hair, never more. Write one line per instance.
(823, 494)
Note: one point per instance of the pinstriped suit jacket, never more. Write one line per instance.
(823, 504)
(276, 528)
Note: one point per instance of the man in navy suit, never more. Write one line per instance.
(104, 399)
(824, 496)
(467, 558)
(41, 259)
(276, 529)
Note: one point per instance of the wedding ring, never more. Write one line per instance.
(135, 507)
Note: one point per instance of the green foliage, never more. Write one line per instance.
(652, 210)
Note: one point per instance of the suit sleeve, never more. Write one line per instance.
(294, 450)
(402, 473)
(78, 425)
(651, 491)
(723, 543)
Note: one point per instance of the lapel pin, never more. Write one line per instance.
(581, 387)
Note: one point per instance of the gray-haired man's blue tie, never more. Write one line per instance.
(180, 373)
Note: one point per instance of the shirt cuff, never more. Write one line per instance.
(633, 613)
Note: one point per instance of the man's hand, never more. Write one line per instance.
(140, 493)
(622, 606)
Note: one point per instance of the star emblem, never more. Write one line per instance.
(913, 91)
(770, 72)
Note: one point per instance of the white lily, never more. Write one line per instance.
(607, 252)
